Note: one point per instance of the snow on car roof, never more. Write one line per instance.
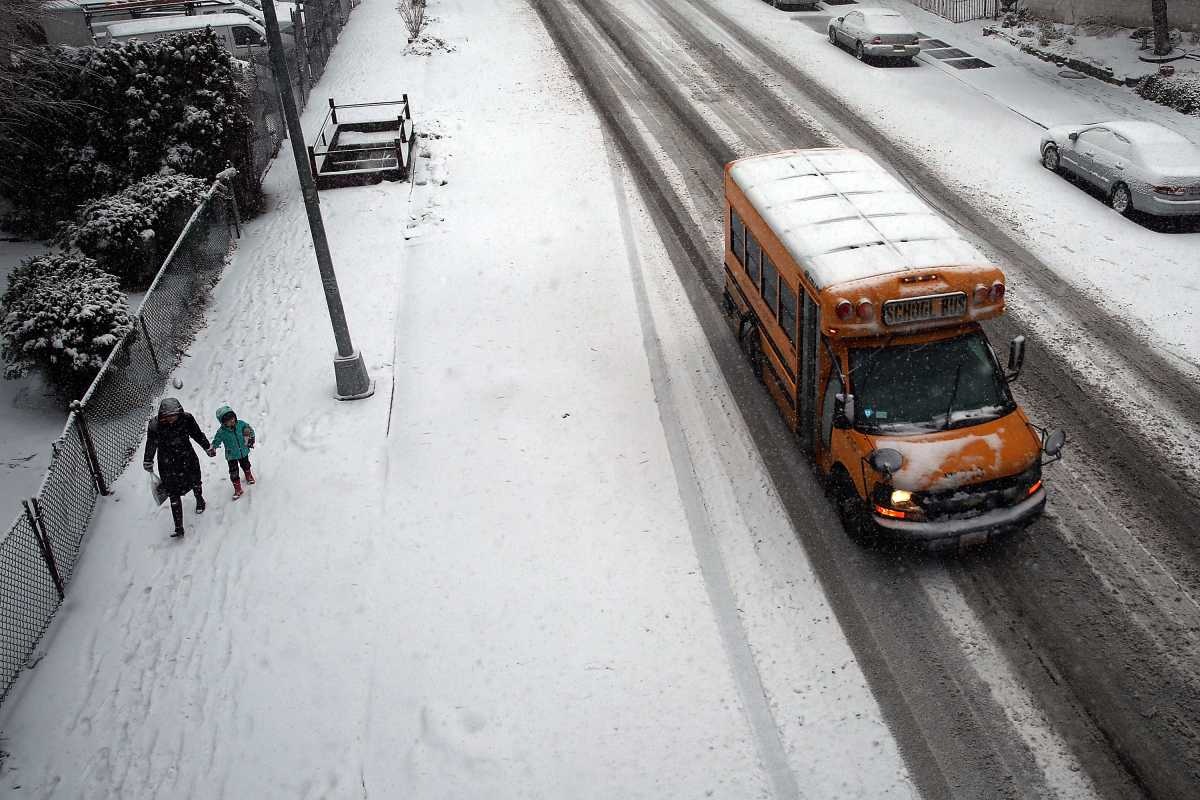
(1143, 132)
(879, 12)
(176, 22)
(842, 217)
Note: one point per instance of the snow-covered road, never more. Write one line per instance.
(544, 560)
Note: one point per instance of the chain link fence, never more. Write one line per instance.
(106, 428)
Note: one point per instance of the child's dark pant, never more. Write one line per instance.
(233, 467)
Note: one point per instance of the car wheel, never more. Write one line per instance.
(832, 37)
(858, 52)
(1120, 200)
(1050, 158)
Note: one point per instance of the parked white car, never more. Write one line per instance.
(875, 33)
(1139, 166)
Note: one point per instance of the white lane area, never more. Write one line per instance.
(1064, 776)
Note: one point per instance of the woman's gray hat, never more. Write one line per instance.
(169, 405)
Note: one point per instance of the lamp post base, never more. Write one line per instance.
(353, 382)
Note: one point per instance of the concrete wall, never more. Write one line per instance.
(1183, 14)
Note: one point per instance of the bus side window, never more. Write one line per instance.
(754, 259)
(770, 284)
(787, 311)
(832, 387)
(737, 236)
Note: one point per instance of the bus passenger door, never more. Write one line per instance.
(807, 374)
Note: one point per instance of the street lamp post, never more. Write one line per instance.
(350, 372)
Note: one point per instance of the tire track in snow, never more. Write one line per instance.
(712, 566)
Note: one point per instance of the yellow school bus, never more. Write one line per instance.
(859, 309)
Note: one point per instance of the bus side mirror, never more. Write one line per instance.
(1016, 358)
(843, 410)
(1073, 135)
(1053, 445)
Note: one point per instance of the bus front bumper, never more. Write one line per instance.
(964, 532)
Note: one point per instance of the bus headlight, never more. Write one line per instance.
(901, 498)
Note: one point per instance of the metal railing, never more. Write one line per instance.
(961, 10)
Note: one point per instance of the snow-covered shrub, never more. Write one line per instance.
(130, 232)
(1048, 32)
(61, 315)
(1180, 92)
(1026, 33)
(128, 111)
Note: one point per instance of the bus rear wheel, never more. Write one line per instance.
(753, 348)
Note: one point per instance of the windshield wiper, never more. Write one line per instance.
(953, 395)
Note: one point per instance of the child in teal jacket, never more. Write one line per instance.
(237, 437)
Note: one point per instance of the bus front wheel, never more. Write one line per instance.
(850, 509)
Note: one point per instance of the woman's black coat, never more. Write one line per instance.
(177, 463)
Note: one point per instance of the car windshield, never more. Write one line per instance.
(915, 388)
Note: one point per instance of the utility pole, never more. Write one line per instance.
(353, 383)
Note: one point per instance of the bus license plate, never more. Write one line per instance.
(921, 309)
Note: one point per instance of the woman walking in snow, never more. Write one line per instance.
(170, 436)
(237, 437)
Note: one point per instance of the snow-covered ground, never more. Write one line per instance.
(29, 417)
(543, 560)
(1104, 45)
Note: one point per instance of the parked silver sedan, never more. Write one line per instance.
(1140, 166)
(875, 33)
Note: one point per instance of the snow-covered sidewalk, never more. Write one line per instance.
(542, 561)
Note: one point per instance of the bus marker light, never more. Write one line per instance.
(884, 511)
(1034, 488)
(844, 310)
(997, 293)
(866, 310)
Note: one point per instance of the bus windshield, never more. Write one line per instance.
(916, 388)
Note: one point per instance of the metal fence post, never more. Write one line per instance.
(89, 447)
(43, 541)
(149, 344)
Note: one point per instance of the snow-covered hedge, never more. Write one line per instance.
(62, 315)
(125, 112)
(130, 232)
(1180, 92)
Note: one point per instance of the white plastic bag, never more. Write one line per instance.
(156, 489)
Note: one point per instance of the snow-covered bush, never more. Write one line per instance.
(130, 232)
(1180, 92)
(1048, 32)
(61, 315)
(128, 111)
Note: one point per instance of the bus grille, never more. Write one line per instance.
(974, 499)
